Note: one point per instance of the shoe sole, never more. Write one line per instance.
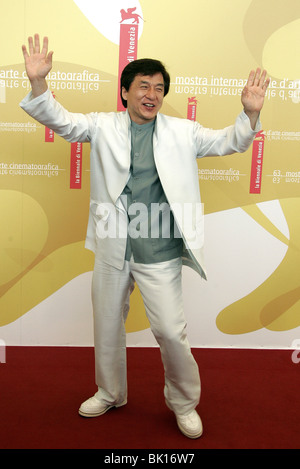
(97, 414)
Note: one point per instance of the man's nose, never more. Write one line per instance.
(151, 92)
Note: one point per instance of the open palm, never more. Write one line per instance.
(38, 63)
(254, 92)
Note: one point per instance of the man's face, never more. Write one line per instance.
(144, 97)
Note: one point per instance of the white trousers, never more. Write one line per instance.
(161, 290)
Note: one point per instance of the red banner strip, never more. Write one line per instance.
(127, 52)
(76, 165)
(49, 135)
(192, 109)
(257, 163)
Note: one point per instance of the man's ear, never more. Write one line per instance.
(124, 93)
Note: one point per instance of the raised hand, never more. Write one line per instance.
(38, 63)
(253, 94)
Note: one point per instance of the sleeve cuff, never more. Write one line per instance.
(29, 99)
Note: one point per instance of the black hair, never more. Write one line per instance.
(143, 67)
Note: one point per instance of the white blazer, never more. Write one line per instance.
(176, 144)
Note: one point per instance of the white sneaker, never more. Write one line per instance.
(92, 407)
(190, 425)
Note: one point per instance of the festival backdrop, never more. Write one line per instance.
(251, 201)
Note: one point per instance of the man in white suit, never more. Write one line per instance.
(145, 217)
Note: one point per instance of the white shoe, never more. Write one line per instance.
(190, 425)
(94, 408)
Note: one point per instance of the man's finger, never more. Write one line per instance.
(262, 78)
(24, 50)
(45, 46)
(266, 84)
(30, 45)
(257, 77)
(37, 43)
(251, 78)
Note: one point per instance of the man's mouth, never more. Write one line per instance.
(149, 105)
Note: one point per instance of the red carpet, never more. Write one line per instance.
(250, 399)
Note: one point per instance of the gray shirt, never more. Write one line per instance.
(153, 235)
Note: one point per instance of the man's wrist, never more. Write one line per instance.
(253, 117)
(38, 86)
